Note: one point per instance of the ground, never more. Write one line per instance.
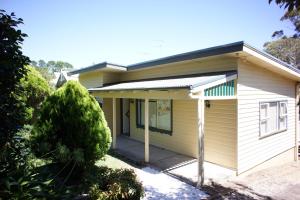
(157, 185)
(278, 182)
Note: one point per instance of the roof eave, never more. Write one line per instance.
(212, 51)
(99, 66)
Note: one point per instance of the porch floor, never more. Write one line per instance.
(170, 162)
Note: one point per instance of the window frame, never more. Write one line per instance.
(153, 129)
(278, 130)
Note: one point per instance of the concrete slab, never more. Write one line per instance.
(170, 162)
(211, 172)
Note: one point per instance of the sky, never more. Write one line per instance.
(84, 33)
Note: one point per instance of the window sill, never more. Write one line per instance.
(272, 133)
(152, 129)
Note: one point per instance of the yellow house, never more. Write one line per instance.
(231, 105)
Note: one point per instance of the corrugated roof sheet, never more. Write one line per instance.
(186, 82)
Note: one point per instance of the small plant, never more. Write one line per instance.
(110, 183)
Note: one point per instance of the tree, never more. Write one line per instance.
(45, 72)
(42, 63)
(290, 5)
(286, 49)
(292, 15)
(36, 89)
(12, 62)
(33, 63)
(71, 129)
(60, 65)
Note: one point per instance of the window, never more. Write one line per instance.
(273, 117)
(160, 115)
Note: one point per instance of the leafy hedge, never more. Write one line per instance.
(71, 127)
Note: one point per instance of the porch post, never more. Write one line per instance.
(146, 130)
(200, 113)
(114, 132)
(296, 154)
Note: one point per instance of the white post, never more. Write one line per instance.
(146, 130)
(114, 132)
(200, 113)
(296, 154)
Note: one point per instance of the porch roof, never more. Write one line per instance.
(191, 83)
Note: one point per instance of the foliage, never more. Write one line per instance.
(285, 49)
(290, 5)
(42, 63)
(12, 62)
(44, 71)
(107, 183)
(36, 89)
(14, 162)
(52, 66)
(292, 15)
(71, 129)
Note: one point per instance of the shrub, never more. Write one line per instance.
(36, 89)
(71, 128)
(110, 183)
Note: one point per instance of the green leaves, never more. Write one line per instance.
(72, 122)
(36, 89)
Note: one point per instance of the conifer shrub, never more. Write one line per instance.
(71, 128)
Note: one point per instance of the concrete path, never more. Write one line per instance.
(158, 185)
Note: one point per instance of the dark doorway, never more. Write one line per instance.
(125, 117)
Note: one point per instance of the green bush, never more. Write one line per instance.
(36, 89)
(71, 128)
(110, 183)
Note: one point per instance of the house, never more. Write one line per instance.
(231, 105)
(62, 77)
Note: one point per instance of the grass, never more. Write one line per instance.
(113, 162)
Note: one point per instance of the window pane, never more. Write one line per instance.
(283, 108)
(263, 111)
(263, 128)
(272, 117)
(152, 114)
(164, 114)
(283, 123)
(283, 116)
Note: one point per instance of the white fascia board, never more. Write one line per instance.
(272, 62)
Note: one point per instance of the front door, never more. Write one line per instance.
(125, 117)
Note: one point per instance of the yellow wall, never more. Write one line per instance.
(220, 134)
(256, 84)
(91, 79)
(108, 113)
(184, 136)
(220, 131)
(191, 67)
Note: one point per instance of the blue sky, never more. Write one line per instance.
(125, 32)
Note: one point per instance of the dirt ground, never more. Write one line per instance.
(280, 182)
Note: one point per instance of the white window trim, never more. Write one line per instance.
(279, 115)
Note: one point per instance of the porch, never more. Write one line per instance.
(170, 113)
(169, 162)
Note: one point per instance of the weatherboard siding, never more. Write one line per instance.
(91, 79)
(183, 68)
(107, 109)
(256, 84)
(220, 133)
(184, 137)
